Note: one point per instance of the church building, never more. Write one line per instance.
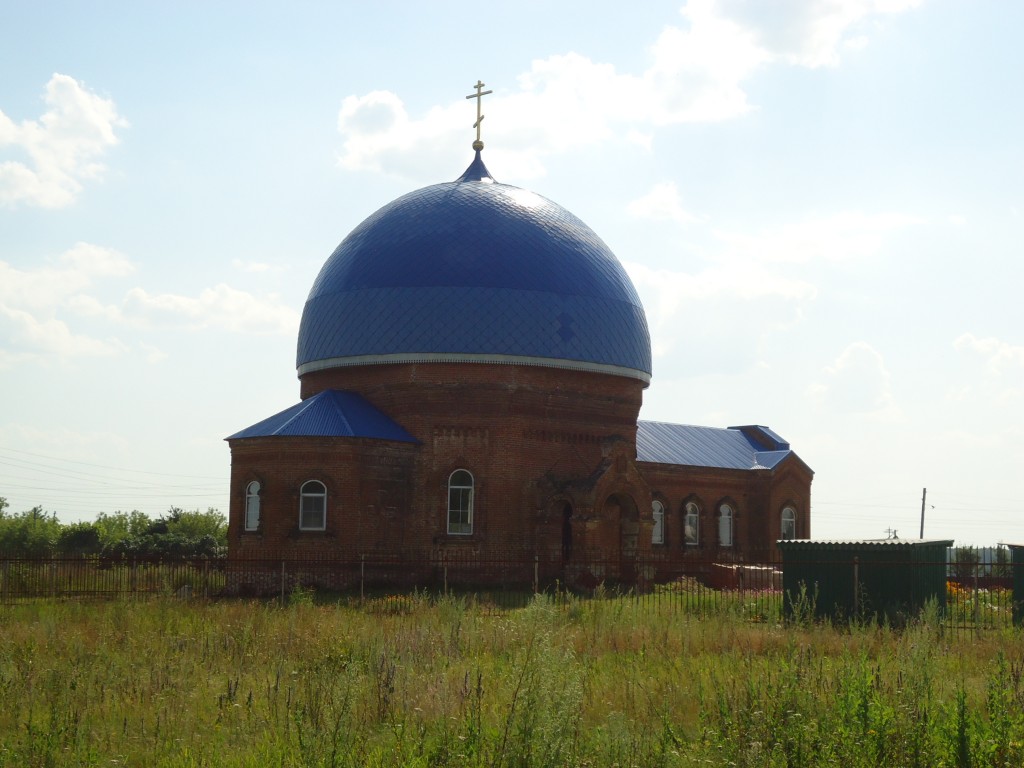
(471, 362)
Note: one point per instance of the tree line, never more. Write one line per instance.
(178, 533)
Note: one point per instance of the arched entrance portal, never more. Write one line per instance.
(622, 508)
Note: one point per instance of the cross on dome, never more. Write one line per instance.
(479, 96)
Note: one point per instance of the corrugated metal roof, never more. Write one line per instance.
(331, 413)
(861, 543)
(474, 267)
(729, 448)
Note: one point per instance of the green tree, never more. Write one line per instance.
(32, 533)
(81, 538)
(1002, 567)
(965, 563)
(196, 524)
(176, 534)
(121, 525)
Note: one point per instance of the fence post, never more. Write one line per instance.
(206, 579)
(536, 572)
(5, 580)
(977, 566)
(362, 578)
(282, 584)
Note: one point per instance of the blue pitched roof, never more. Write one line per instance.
(330, 413)
(749, 447)
(479, 271)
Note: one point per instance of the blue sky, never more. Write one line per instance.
(821, 205)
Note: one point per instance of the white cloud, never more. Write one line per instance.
(220, 307)
(250, 266)
(808, 33)
(662, 202)
(990, 395)
(27, 335)
(43, 311)
(153, 354)
(998, 356)
(63, 146)
(696, 73)
(49, 287)
(678, 307)
(857, 382)
(33, 301)
(838, 237)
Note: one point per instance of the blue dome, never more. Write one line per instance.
(474, 271)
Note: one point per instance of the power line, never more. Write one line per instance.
(104, 466)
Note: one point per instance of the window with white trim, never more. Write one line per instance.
(313, 506)
(252, 506)
(725, 519)
(788, 524)
(460, 502)
(658, 531)
(691, 524)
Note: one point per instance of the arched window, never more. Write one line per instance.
(460, 502)
(658, 531)
(691, 524)
(788, 527)
(313, 506)
(725, 516)
(252, 506)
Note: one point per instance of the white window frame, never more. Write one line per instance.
(787, 523)
(726, 519)
(460, 514)
(691, 524)
(252, 506)
(312, 492)
(658, 530)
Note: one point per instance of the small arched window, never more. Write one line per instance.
(252, 506)
(725, 517)
(658, 531)
(691, 524)
(313, 506)
(788, 526)
(460, 502)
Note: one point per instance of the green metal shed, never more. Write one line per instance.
(872, 578)
(1017, 558)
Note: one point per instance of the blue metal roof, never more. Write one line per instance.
(478, 271)
(731, 448)
(330, 413)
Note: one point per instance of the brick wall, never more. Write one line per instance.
(538, 441)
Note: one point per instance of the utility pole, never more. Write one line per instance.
(924, 495)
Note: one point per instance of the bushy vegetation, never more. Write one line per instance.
(448, 682)
(178, 533)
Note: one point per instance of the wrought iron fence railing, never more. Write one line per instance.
(967, 595)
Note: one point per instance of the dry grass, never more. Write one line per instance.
(418, 682)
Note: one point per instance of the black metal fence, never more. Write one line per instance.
(973, 595)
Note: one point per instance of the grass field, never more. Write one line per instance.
(448, 682)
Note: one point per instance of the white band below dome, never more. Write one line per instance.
(444, 357)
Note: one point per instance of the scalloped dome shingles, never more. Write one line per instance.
(478, 271)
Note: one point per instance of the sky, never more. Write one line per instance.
(821, 205)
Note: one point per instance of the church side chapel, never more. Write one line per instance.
(472, 360)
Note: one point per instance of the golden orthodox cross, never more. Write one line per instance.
(479, 96)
